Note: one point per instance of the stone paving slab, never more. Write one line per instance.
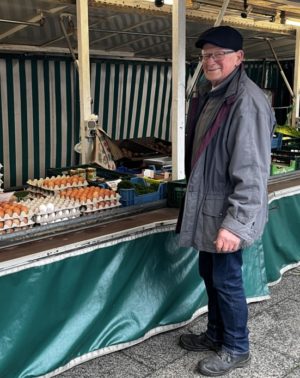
(274, 326)
(116, 365)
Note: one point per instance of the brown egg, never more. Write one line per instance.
(16, 210)
(2, 213)
(82, 198)
(62, 193)
(24, 209)
(95, 195)
(89, 196)
(9, 211)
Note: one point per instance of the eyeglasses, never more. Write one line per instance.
(217, 56)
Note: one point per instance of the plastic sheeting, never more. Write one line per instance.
(281, 238)
(56, 315)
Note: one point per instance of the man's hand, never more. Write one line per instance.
(226, 241)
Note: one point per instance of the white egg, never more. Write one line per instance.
(59, 214)
(42, 208)
(44, 218)
(50, 207)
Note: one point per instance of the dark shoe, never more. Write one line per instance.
(198, 343)
(222, 363)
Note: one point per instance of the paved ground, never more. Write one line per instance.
(274, 334)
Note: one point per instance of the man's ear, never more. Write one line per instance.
(240, 55)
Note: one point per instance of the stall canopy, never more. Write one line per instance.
(130, 45)
(138, 29)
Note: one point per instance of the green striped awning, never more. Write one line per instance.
(39, 103)
(37, 117)
(132, 100)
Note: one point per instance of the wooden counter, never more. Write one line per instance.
(107, 227)
(115, 225)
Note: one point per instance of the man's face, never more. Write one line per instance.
(217, 67)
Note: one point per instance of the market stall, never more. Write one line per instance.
(84, 272)
(77, 301)
(83, 294)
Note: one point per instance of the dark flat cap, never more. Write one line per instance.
(222, 36)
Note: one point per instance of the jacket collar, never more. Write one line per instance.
(228, 88)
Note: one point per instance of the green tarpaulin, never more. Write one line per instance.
(67, 308)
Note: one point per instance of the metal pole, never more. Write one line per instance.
(62, 25)
(281, 70)
(41, 23)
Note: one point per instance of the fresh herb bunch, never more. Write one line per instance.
(138, 188)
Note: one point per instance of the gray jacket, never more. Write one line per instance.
(227, 184)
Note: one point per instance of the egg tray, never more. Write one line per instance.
(40, 182)
(55, 217)
(57, 211)
(63, 187)
(16, 216)
(69, 207)
(13, 230)
(46, 191)
(93, 208)
(20, 226)
(116, 197)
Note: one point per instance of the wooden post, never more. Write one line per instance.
(178, 89)
(84, 74)
(295, 114)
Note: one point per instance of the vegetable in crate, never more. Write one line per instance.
(125, 184)
(138, 188)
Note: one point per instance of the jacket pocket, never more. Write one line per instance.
(215, 206)
(213, 213)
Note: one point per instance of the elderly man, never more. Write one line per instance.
(228, 144)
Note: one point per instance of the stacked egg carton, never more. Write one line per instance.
(92, 198)
(14, 217)
(52, 186)
(52, 209)
(1, 179)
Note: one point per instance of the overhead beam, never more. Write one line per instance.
(37, 18)
(60, 51)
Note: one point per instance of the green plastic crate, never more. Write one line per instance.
(175, 192)
(277, 169)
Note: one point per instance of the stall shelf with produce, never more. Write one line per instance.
(86, 293)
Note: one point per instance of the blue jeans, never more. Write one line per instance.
(227, 306)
